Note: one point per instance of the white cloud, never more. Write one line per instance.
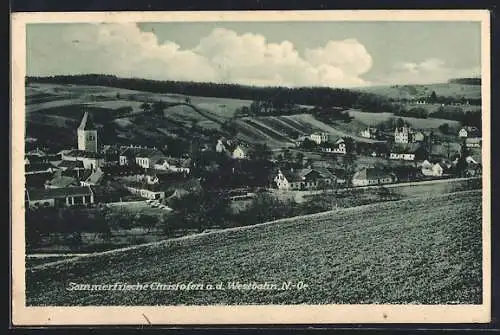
(430, 70)
(221, 56)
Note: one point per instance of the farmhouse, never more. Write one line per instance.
(95, 178)
(56, 197)
(146, 190)
(408, 152)
(220, 146)
(71, 166)
(40, 168)
(338, 147)
(433, 170)
(319, 137)
(469, 131)
(239, 152)
(372, 176)
(35, 158)
(146, 158)
(369, 132)
(304, 179)
(91, 160)
(179, 165)
(60, 181)
(128, 155)
(402, 156)
(473, 142)
(417, 136)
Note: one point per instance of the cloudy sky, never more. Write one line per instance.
(334, 54)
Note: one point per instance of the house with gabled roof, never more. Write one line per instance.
(372, 176)
(91, 160)
(303, 179)
(146, 190)
(239, 152)
(435, 169)
(39, 168)
(58, 197)
(469, 132)
(319, 137)
(146, 158)
(95, 178)
(178, 165)
(337, 147)
(61, 181)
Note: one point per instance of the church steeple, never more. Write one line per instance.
(87, 134)
(87, 123)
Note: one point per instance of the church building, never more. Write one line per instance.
(87, 134)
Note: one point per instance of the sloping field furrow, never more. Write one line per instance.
(381, 253)
(269, 132)
(277, 124)
(249, 133)
(303, 127)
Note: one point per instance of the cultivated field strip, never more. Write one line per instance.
(273, 134)
(379, 253)
(278, 123)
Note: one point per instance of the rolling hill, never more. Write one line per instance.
(381, 253)
(451, 89)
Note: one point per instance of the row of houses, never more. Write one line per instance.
(317, 178)
(152, 158)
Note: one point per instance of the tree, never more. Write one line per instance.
(148, 222)
(287, 155)
(309, 145)
(230, 128)
(461, 166)
(200, 210)
(433, 97)
(146, 107)
(444, 128)
(255, 108)
(399, 122)
(261, 152)
(158, 107)
(166, 225)
(349, 159)
(299, 157)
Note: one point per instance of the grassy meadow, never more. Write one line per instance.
(380, 253)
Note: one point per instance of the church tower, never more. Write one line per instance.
(87, 134)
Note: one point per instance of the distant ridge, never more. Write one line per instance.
(466, 81)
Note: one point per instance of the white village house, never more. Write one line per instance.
(178, 165)
(431, 170)
(319, 137)
(469, 131)
(338, 147)
(239, 152)
(55, 197)
(372, 176)
(303, 179)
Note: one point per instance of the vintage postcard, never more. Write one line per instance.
(289, 167)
